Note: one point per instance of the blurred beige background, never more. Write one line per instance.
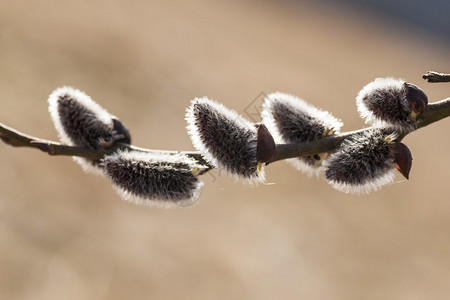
(67, 235)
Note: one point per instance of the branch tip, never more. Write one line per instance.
(433, 77)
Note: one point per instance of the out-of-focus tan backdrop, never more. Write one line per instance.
(67, 235)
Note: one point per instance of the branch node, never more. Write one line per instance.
(45, 147)
(4, 139)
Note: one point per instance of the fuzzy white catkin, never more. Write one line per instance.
(363, 164)
(154, 179)
(383, 102)
(80, 121)
(225, 139)
(292, 120)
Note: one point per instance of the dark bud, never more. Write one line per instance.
(403, 158)
(121, 133)
(416, 97)
(265, 147)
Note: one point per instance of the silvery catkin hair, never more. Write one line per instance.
(293, 120)
(366, 162)
(154, 179)
(391, 102)
(225, 139)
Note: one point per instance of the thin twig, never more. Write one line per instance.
(435, 112)
(16, 138)
(432, 76)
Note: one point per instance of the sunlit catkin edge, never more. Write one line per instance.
(87, 166)
(84, 100)
(193, 132)
(154, 202)
(369, 186)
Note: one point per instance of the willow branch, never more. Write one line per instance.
(435, 112)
